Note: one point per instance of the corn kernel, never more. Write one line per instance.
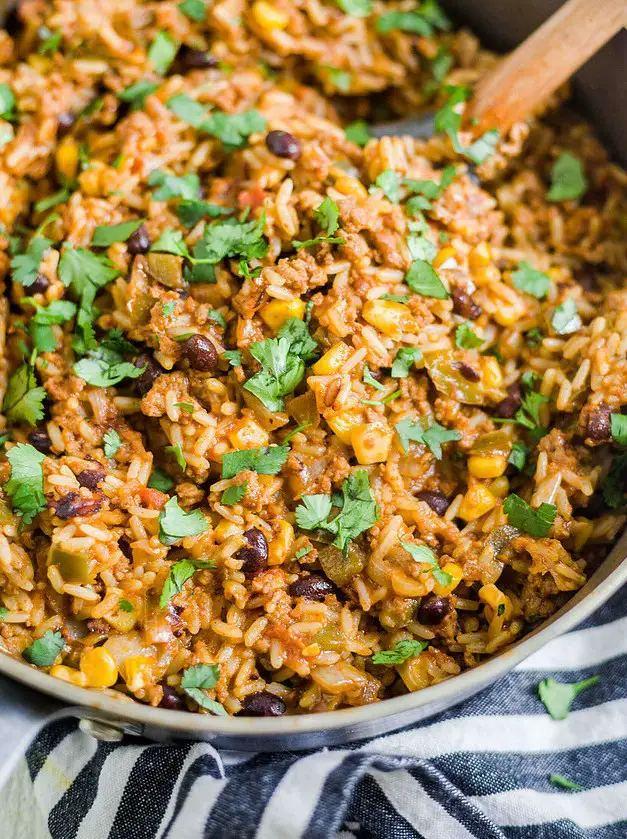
(486, 467)
(405, 586)
(351, 186)
(499, 487)
(40, 63)
(90, 181)
(99, 668)
(491, 374)
(136, 671)
(276, 312)
(444, 255)
(510, 312)
(311, 650)
(226, 529)
(371, 442)
(69, 674)
(415, 672)
(281, 545)
(582, 530)
(456, 572)
(343, 423)
(121, 620)
(248, 434)
(66, 158)
(268, 16)
(479, 257)
(332, 360)
(495, 598)
(477, 502)
(389, 317)
(487, 275)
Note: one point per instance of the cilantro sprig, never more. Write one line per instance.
(524, 517)
(400, 652)
(175, 523)
(44, 651)
(25, 487)
(266, 460)
(199, 678)
(178, 575)
(557, 697)
(423, 554)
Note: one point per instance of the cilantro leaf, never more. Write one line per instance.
(193, 9)
(44, 651)
(528, 415)
(465, 338)
(7, 102)
(423, 279)
(267, 460)
(52, 200)
(404, 361)
(615, 485)
(356, 8)
(481, 149)
(619, 428)
(178, 455)
(234, 357)
(202, 677)
(518, 455)
(25, 266)
(314, 511)
(105, 235)
(162, 52)
(25, 487)
(568, 179)
(160, 481)
(338, 78)
(521, 515)
(178, 575)
(531, 281)
(174, 186)
(389, 182)
(125, 605)
(565, 318)
(401, 651)
(319, 240)
(447, 119)
(136, 93)
(412, 22)
(187, 109)
(301, 342)
(557, 697)
(327, 215)
(190, 211)
(234, 494)
(233, 129)
(423, 554)
(104, 367)
(230, 238)
(421, 248)
(561, 781)
(84, 271)
(112, 443)
(51, 41)
(433, 437)
(175, 523)
(369, 379)
(358, 132)
(23, 401)
(281, 371)
(58, 312)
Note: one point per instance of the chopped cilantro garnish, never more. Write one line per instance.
(421, 248)
(125, 605)
(412, 22)
(193, 9)
(185, 406)
(199, 678)
(565, 318)
(423, 554)
(267, 460)
(105, 235)
(561, 781)
(23, 401)
(51, 41)
(368, 379)
(531, 281)
(465, 338)
(534, 336)
(295, 431)
(234, 494)
(568, 179)
(615, 485)
(217, 317)
(404, 361)
(112, 443)
(175, 523)
(396, 298)
(482, 148)
(534, 522)
(319, 240)
(401, 651)
(338, 78)
(358, 132)
(433, 437)
(162, 52)
(327, 215)
(52, 200)
(44, 651)
(25, 266)
(168, 308)
(389, 398)
(173, 186)
(136, 94)
(105, 367)
(25, 487)
(160, 481)
(619, 428)
(178, 575)
(557, 697)
(39, 327)
(301, 552)
(389, 182)
(359, 511)
(191, 211)
(356, 8)
(233, 129)
(177, 453)
(518, 455)
(423, 279)
(234, 357)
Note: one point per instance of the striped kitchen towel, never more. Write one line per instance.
(479, 771)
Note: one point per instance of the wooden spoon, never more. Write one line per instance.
(522, 82)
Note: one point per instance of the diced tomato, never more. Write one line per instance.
(152, 498)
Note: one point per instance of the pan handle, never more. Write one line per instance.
(23, 712)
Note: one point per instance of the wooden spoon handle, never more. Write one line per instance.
(524, 80)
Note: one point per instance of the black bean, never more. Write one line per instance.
(508, 406)
(40, 285)
(171, 700)
(263, 704)
(139, 241)
(311, 587)
(72, 505)
(587, 278)
(432, 610)
(124, 546)
(150, 375)
(255, 554)
(464, 305)
(468, 372)
(473, 177)
(284, 144)
(90, 478)
(200, 353)
(438, 502)
(40, 440)
(599, 423)
(65, 123)
(199, 59)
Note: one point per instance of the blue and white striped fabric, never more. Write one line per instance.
(478, 771)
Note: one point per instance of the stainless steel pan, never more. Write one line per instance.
(29, 697)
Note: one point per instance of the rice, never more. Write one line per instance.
(386, 551)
